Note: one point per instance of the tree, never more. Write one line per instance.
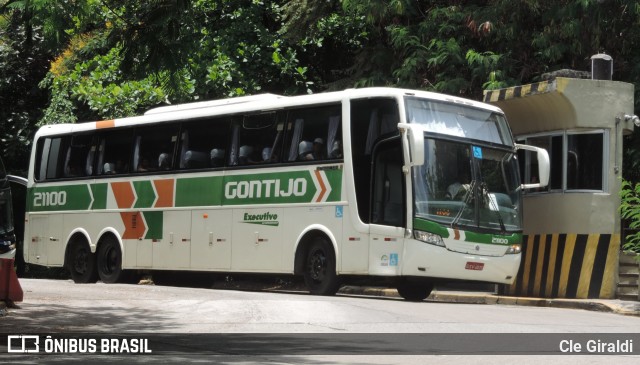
(112, 58)
(146, 53)
(24, 59)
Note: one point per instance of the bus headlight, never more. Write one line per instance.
(428, 237)
(513, 250)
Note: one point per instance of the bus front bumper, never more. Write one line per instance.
(426, 260)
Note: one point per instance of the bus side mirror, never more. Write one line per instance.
(543, 166)
(413, 135)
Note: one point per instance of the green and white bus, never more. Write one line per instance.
(410, 186)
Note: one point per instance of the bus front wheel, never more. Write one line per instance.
(414, 291)
(320, 268)
(82, 263)
(110, 261)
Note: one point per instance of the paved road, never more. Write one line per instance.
(64, 306)
(60, 306)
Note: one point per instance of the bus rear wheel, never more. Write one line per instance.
(110, 261)
(320, 268)
(414, 291)
(81, 263)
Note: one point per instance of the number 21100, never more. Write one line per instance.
(50, 198)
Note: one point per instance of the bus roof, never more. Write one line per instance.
(254, 103)
(212, 103)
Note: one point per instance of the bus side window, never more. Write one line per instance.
(42, 157)
(256, 139)
(114, 152)
(313, 133)
(52, 152)
(154, 148)
(336, 150)
(203, 143)
(79, 156)
(334, 135)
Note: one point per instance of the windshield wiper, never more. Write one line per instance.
(492, 204)
(465, 200)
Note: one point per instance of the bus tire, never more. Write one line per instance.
(109, 261)
(81, 263)
(414, 291)
(320, 268)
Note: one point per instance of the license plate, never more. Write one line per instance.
(474, 266)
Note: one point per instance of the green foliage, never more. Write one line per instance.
(23, 63)
(226, 48)
(116, 58)
(630, 211)
(110, 58)
(329, 48)
(98, 84)
(431, 45)
(487, 63)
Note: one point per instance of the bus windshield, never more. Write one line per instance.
(468, 186)
(459, 120)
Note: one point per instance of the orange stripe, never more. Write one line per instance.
(105, 124)
(323, 188)
(123, 192)
(134, 226)
(164, 188)
(456, 234)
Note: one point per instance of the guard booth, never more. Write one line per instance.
(572, 227)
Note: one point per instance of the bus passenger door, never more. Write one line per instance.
(210, 239)
(257, 240)
(388, 209)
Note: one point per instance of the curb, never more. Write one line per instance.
(595, 305)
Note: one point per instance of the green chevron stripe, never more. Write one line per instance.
(144, 192)
(154, 222)
(99, 192)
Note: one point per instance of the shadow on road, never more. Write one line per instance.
(65, 318)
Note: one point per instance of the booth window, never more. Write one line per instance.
(529, 163)
(584, 161)
(576, 160)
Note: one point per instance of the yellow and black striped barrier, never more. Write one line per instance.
(567, 266)
(491, 96)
